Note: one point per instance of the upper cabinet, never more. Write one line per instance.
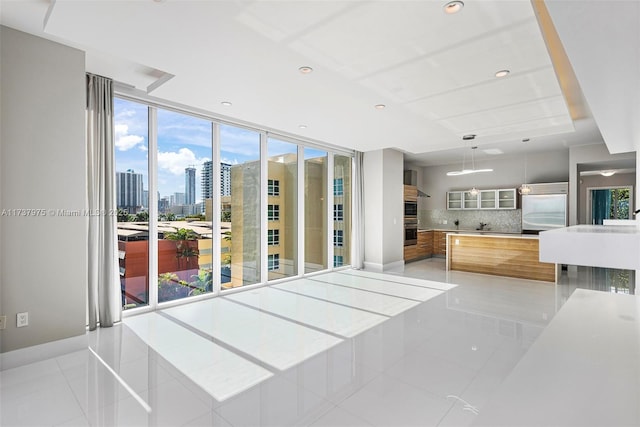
(454, 200)
(410, 193)
(507, 198)
(470, 201)
(485, 199)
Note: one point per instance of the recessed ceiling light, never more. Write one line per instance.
(380, 106)
(226, 103)
(302, 126)
(607, 173)
(502, 73)
(469, 137)
(453, 7)
(305, 69)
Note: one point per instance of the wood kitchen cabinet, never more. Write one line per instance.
(425, 244)
(410, 252)
(410, 193)
(439, 243)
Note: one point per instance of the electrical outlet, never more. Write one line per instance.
(3, 322)
(22, 319)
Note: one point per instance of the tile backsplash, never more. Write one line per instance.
(502, 221)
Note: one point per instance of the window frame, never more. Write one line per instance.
(152, 105)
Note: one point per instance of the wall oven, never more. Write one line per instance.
(410, 232)
(411, 209)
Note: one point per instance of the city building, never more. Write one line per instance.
(190, 186)
(178, 199)
(207, 180)
(129, 191)
(225, 179)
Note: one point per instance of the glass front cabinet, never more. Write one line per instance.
(454, 200)
(485, 199)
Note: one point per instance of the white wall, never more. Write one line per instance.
(383, 208)
(507, 173)
(43, 268)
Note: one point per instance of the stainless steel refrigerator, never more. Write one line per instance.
(545, 207)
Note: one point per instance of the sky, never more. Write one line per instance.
(183, 141)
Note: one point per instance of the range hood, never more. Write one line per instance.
(411, 178)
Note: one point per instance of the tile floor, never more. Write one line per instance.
(349, 348)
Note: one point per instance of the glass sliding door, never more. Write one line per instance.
(184, 235)
(341, 210)
(315, 210)
(239, 206)
(132, 197)
(282, 209)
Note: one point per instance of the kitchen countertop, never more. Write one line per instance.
(468, 231)
(496, 234)
(610, 246)
(577, 373)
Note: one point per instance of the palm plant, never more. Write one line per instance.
(182, 236)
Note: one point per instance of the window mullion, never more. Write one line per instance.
(153, 207)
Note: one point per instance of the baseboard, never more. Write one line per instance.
(37, 353)
(393, 265)
(373, 266)
(381, 268)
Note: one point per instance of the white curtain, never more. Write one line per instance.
(358, 212)
(103, 278)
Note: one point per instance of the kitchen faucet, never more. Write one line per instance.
(482, 226)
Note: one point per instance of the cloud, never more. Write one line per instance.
(229, 162)
(177, 162)
(123, 140)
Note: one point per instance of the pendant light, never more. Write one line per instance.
(524, 188)
(474, 191)
(473, 169)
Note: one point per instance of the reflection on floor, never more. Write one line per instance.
(350, 348)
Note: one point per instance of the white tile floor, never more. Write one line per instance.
(341, 349)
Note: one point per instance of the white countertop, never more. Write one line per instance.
(583, 370)
(610, 246)
(610, 229)
(494, 234)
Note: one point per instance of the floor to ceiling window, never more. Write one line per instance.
(315, 210)
(240, 197)
(342, 209)
(132, 197)
(282, 236)
(184, 150)
(219, 225)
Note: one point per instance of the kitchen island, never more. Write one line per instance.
(511, 255)
(608, 246)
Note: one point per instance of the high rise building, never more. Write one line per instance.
(179, 198)
(207, 180)
(129, 193)
(145, 199)
(225, 179)
(190, 186)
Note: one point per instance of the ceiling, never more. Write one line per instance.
(434, 72)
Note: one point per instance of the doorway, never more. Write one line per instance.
(609, 203)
